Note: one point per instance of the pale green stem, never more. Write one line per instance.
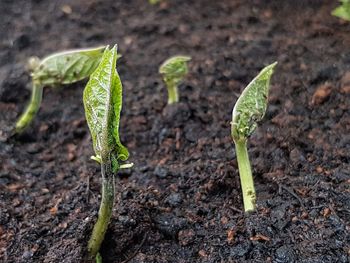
(173, 93)
(28, 115)
(98, 258)
(245, 173)
(105, 212)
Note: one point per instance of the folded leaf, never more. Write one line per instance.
(343, 11)
(103, 103)
(67, 67)
(174, 69)
(251, 106)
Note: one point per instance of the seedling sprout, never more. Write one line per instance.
(154, 2)
(343, 11)
(249, 109)
(173, 71)
(103, 103)
(58, 69)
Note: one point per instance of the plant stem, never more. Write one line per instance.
(105, 212)
(246, 176)
(173, 94)
(27, 116)
(98, 258)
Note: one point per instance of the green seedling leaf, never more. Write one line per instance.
(173, 71)
(154, 2)
(60, 68)
(251, 106)
(343, 11)
(67, 67)
(103, 103)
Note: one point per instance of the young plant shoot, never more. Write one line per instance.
(58, 69)
(103, 103)
(154, 2)
(250, 108)
(343, 11)
(173, 71)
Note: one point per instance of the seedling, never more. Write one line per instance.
(154, 2)
(103, 103)
(58, 69)
(249, 109)
(343, 11)
(173, 71)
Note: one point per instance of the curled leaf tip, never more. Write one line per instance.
(171, 65)
(268, 70)
(251, 106)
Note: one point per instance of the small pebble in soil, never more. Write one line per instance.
(192, 132)
(127, 194)
(312, 214)
(169, 224)
(174, 199)
(285, 254)
(34, 148)
(277, 215)
(144, 168)
(160, 172)
(240, 249)
(27, 254)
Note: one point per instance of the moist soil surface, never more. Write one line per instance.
(181, 202)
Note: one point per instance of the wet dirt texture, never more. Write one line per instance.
(181, 202)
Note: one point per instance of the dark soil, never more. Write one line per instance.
(182, 201)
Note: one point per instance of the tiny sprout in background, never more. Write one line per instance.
(154, 2)
(249, 109)
(173, 71)
(343, 11)
(58, 69)
(103, 104)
